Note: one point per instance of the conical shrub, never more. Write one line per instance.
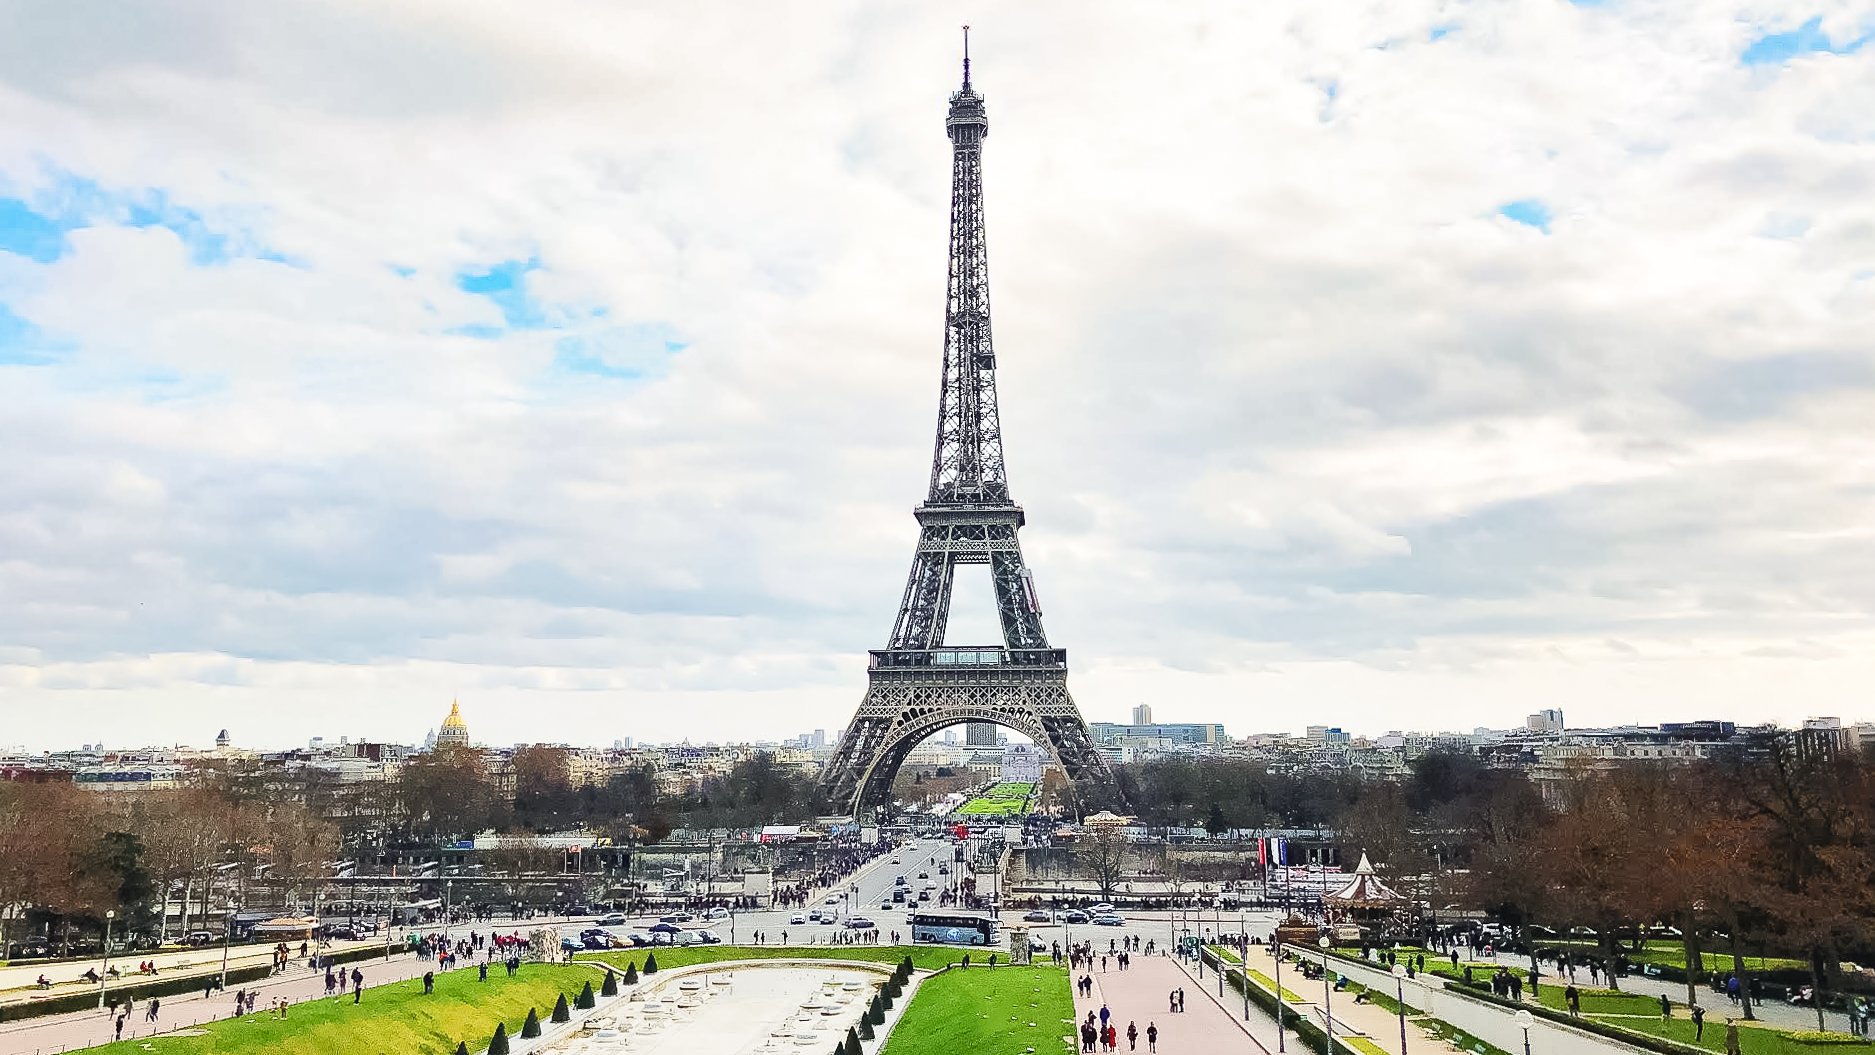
(531, 1028)
(865, 1030)
(499, 1044)
(584, 1000)
(462, 1047)
(611, 980)
(561, 1013)
(651, 964)
(885, 997)
(876, 1013)
(852, 1041)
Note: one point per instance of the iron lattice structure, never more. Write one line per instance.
(917, 686)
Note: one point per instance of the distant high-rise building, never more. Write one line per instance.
(1548, 720)
(221, 738)
(455, 731)
(819, 739)
(1142, 714)
(979, 734)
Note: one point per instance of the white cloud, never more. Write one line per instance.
(1284, 394)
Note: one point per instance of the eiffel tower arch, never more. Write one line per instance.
(917, 685)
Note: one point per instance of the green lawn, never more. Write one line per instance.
(394, 1019)
(924, 957)
(992, 1012)
(1753, 1039)
(1001, 800)
(1603, 1002)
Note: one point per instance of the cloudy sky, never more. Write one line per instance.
(1405, 364)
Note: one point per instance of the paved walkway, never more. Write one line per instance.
(1207, 1026)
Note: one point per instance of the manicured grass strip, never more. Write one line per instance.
(393, 1019)
(1003, 1010)
(1270, 984)
(1753, 1038)
(924, 957)
(1363, 1045)
(1603, 1002)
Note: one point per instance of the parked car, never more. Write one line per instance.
(814, 916)
(596, 941)
(1108, 920)
(200, 938)
(1074, 915)
(860, 923)
(639, 939)
(1037, 945)
(569, 945)
(665, 927)
(708, 937)
(612, 919)
(715, 913)
(1037, 916)
(797, 920)
(1101, 909)
(676, 917)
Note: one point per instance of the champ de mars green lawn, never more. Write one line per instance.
(393, 1019)
(1000, 1009)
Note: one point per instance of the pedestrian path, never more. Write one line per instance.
(1719, 1007)
(81, 1029)
(1138, 996)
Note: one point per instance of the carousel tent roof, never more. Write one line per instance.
(1364, 890)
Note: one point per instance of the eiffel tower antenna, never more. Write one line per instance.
(918, 685)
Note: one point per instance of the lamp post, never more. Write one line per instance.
(1399, 991)
(105, 973)
(1525, 1019)
(227, 937)
(1276, 951)
(1328, 1010)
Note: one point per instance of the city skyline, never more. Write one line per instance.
(1340, 386)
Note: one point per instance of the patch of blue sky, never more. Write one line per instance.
(23, 344)
(1441, 31)
(621, 353)
(505, 284)
(1779, 48)
(1527, 211)
(36, 226)
(28, 233)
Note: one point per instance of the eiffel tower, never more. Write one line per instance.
(916, 685)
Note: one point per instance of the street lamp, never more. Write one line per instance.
(1328, 1010)
(1276, 951)
(105, 973)
(1399, 990)
(1525, 1019)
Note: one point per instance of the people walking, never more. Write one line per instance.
(1573, 997)
(1152, 1038)
(1699, 1023)
(1132, 1036)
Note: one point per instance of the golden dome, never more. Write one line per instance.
(454, 729)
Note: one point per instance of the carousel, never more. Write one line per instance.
(1367, 903)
